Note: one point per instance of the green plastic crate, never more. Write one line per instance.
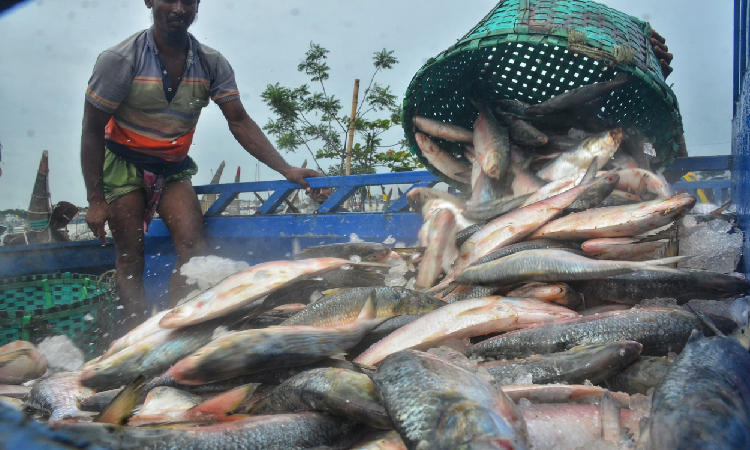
(532, 50)
(37, 306)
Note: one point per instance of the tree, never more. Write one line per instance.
(314, 121)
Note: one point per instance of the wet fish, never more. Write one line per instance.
(281, 432)
(644, 374)
(215, 409)
(639, 181)
(593, 362)
(467, 318)
(579, 96)
(622, 248)
(418, 197)
(340, 392)
(147, 328)
(443, 161)
(150, 356)
(464, 235)
(343, 307)
(604, 308)
(383, 330)
(491, 143)
(524, 181)
(563, 393)
(555, 187)
(536, 244)
(438, 236)
(511, 228)
(659, 330)
(20, 362)
(58, 396)
(599, 189)
(162, 399)
(438, 405)
(245, 352)
(244, 287)
(561, 426)
(432, 206)
(521, 131)
(704, 400)
(596, 149)
(365, 251)
(494, 209)
(467, 292)
(384, 440)
(617, 221)
(557, 293)
(443, 130)
(553, 265)
(513, 106)
(483, 187)
(681, 284)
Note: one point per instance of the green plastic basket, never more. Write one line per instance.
(532, 50)
(37, 306)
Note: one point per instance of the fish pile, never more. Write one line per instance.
(524, 324)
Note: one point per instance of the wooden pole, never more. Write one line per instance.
(350, 143)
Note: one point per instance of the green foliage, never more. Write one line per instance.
(316, 122)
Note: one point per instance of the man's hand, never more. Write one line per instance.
(662, 52)
(97, 215)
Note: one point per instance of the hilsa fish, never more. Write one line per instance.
(435, 404)
(244, 287)
(245, 352)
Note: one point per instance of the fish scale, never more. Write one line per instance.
(659, 330)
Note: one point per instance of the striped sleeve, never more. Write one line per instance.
(223, 84)
(110, 82)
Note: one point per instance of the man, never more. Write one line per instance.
(142, 104)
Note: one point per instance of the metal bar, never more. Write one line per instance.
(274, 200)
(698, 163)
(221, 204)
(337, 199)
(737, 73)
(320, 182)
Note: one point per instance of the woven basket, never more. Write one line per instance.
(532, 50)
(79, 306)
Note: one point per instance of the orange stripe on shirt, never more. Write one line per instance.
(148, 79)
(173, 150)
(100, 100)
(226, 94)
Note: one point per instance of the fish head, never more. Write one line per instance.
(189, 312)
(677, 204)
(531, 310)
(471, 423)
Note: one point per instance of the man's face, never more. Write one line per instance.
(174, 16)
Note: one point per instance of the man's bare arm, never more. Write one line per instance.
(252, 139)
(92, 164)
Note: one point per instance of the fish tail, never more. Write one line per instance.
(665, 261)
(121, 407)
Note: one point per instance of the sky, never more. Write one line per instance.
(50, 46)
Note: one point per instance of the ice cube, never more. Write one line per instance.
(207, 271)
(61, 353)
(715, 245)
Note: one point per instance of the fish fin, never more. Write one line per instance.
(706, 320)
(9, 357)
(590, 171)
(409, 250)
(665, 261)
(695, 335)
(740, 313)
(339, 356)
(663, 234)
(120, 409)
(720, 210)
(365, 368)
(334, 291)
(368, 311)
(225, 403)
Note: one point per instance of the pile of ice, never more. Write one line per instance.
(714, 244)
(208, 271)
(61, 354)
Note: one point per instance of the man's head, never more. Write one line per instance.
(173, 16)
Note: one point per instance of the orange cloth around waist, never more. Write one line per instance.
(174, 150)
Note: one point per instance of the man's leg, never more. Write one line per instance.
(127, 230)
(181, 212)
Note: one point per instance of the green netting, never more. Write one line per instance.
(79, 306)
(532, 50)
